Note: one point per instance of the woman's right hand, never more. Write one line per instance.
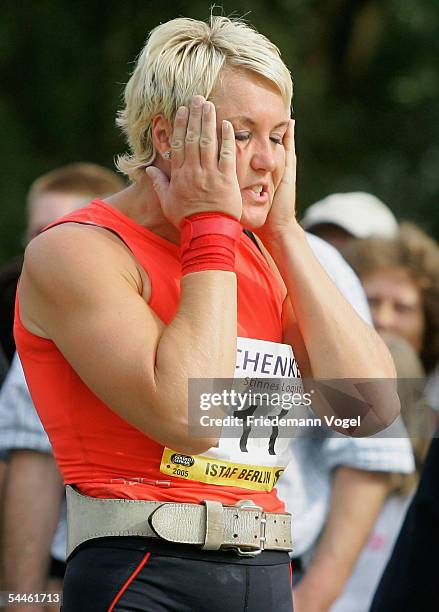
(201, 181)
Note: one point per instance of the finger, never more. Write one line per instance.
(178, 136)
(227, 158)
(290, 153)
(208, 139)
(193, 132)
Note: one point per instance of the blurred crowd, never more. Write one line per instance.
(348, 496)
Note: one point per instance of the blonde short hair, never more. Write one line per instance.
(182, 58)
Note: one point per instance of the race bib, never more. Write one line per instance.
(254, 457)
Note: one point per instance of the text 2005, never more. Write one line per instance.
(180, 472)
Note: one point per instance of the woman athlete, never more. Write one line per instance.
(122, 303)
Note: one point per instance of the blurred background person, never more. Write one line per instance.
(339, 469)
(335, 485)
(51, 196)
(360, 587)
(401, 278)
(32, 487)
(410, 579)
(340, 217)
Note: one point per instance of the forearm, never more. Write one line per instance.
(199, 343)
(203, 331)
(338, 342)
(356, 500)
(32, 501)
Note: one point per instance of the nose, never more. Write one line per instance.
(263, 157)
(383, 315)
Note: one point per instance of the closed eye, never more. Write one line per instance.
(245, 136)
(242, 136)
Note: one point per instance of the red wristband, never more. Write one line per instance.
(208, 242)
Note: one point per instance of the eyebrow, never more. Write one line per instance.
(250, 122)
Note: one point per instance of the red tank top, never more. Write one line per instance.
(102, 454)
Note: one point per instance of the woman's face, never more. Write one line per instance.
(259, 117)
(396, 304)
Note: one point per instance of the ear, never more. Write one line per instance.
(161, 131)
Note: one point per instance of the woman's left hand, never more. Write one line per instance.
(282, 215)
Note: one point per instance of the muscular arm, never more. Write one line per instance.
(88, 303)
(338, 342)
(356, 499)
(332, 341)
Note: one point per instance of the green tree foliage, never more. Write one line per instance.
(366, 92)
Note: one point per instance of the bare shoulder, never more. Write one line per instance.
(72, 244)
(71, 263)
(81, 289)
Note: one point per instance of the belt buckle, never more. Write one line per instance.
(249, 505)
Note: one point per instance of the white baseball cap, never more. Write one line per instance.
(358, 213)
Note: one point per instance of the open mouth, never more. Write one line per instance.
(258, 193)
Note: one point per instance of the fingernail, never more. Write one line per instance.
(181, 111)
(197, 100)
(206, 108)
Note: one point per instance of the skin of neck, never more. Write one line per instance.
(140, 203)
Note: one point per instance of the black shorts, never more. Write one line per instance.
(134, 574)
(57, 569)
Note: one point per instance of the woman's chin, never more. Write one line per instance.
(253, 217)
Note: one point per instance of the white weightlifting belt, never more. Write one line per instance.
(246, 528)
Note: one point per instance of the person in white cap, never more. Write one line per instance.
(342, 216)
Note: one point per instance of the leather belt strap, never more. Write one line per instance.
(245, 527)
